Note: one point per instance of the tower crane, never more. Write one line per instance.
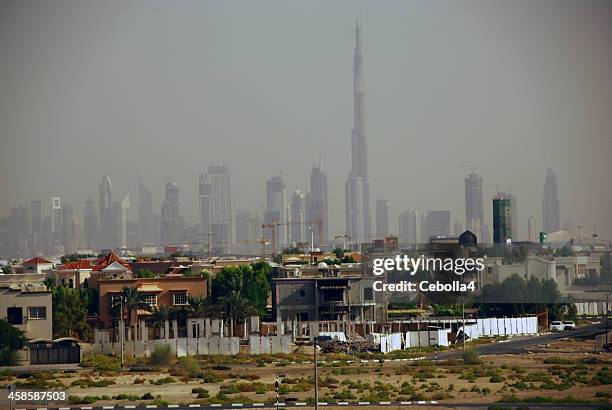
(273, 225)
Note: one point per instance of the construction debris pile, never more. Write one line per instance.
(349, 347)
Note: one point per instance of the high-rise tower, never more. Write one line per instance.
(276, 209)
(145, 215)
(105, 201)
(316, 203)
(382, 218)
(215, 207)
(90, 223)
(299, 231)
(502, 218)
(474, 219)
(357, 187)
(408, 227)
(550, 203)
(170, 217)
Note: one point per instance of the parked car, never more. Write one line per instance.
(557, 326)
(569, 325)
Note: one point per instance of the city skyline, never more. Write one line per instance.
(559, 135)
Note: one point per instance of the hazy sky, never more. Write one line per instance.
(155, 89)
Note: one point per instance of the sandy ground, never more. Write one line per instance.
(436, 385)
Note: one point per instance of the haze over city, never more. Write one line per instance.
(157, 91)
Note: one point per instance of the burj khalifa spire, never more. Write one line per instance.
(357, 188)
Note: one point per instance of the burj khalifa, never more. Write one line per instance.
(357, 187)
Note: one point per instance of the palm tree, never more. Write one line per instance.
(236, 308)
(159, 316)
(197, 307)
(132, 300)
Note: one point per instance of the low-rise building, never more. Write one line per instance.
(323, 293)
(169, 290)
(27, 305)
(37, 265)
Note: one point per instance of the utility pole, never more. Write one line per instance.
(276, 386)
(463, 315)
(316, 376)
(122, 330)
(607, 298)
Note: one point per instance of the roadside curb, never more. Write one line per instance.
(244, 405)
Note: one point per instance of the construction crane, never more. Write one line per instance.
(275, 224)
(346, 239)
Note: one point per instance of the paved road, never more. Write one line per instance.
(341, 405)
(522, 343)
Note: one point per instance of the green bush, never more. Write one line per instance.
(201, 392)
(159, 402)
(211, 377)
(83, 383)
(9, 357)
(163, 380)
(101, 362)
(123, 396)
(558, 360)
(189, 364)
(471, 357)
(11, 341)
(161, 355)
(83, 400)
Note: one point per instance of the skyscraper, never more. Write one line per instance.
(474, 218)
(205, 212)
(104, 208)
(423, 230)
(47, 236)
(457, 228)
(56, 214)
(486, 234)
(357, 187)
(515, 216)
(408, 227)
(502, 218)
(382, 218)
(145, 215)
(221, 209)
(316, 203)
(437, 223)
(18, 232)
(514, 224)
(299, 230)
(90, 222)
(532, 229)
(550, 203)
(276, 209)
(248, 232)
(57, 224)
(118, 219)
(125, 206)
(67, 229)
(35, 217)
(170, 218)
(215, 208)
(36, 226)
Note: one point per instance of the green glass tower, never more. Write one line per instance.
(502, 218)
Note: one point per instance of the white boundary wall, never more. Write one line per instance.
(179, 347)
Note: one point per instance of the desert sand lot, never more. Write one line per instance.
(563, 371)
